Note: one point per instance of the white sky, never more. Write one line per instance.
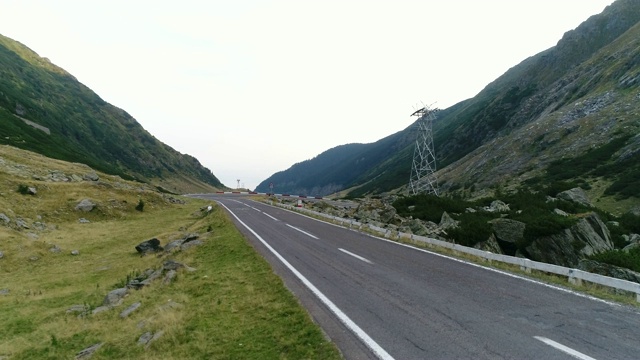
(252, 87)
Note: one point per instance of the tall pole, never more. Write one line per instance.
(423, 179)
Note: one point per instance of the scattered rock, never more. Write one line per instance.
(34, 258)
(21, 223)
(173, 245)
(168, 278)
(576, 195)
(190, 244)
(77, 309)
(149, 246)
(85, 205)
(100, 309)
(497, 206)
(55, 249)
(490, 245)
(88, 352)
(560, 212)
(4, 218)
(1, 254)
(75, 252)
(114, 297)
(172, 265)
(4, 291)
(92, 176)
(145, 338)
(507, 233)
(31, 190)
(447, 222)
(129, 310)
(83, 221)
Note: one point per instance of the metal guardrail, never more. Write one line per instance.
(575, 276)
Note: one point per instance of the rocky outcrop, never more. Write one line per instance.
(589, 236)
(85, 205)
(608, 270)
(148, 247)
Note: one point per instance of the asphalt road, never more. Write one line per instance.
(379, 299)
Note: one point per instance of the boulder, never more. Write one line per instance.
(508, 233)
(490, 245)
(576, 195)
(447, 222)
(85, 205)
(149, 246)
(31, 190)
(4, 218)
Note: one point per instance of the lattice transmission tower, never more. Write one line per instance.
(423, 179)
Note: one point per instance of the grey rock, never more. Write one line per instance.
(447, 222)
(100, 309)
(497, 206)
(1, 254)
(149, 246)
(77, 309)
(75, 252)
(88, 352)
(75, 178)
(633, 245)
(83, 221)
(21, 223)
(190, 244)
(31, 190)
(173, 245)
(168, 278)
(114, 297)
(576, 195)
(560, 212)
(85, 205)
(55, 249)
(145, 338)
(126, 312)
(4, 218)
(91, 176)
(491, 245)
(4, 291)
(172, 265)
(507, 234)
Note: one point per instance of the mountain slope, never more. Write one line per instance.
(45, 109)
(594, 65)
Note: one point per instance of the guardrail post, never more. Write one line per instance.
(525, 266)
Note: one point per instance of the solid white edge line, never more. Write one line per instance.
(368, 341)
(355, 256)
(565, 349)
(302, 231)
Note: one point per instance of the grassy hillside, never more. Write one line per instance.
(231, 306)
(45, 109)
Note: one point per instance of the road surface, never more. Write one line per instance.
(377, 299)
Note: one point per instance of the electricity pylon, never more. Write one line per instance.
(423, 179)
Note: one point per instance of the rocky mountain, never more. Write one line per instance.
(568, 115)
(45, 109)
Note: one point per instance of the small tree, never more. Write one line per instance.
(140, 206)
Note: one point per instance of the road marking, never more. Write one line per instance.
(355, 256)
(270, 216)
(302, 231)
(366, 339)
(565, 349)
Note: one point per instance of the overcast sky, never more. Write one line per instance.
(252, 87)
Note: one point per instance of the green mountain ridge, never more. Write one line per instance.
(45, 109)
(558, 104)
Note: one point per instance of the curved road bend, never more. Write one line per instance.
(397, 302)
